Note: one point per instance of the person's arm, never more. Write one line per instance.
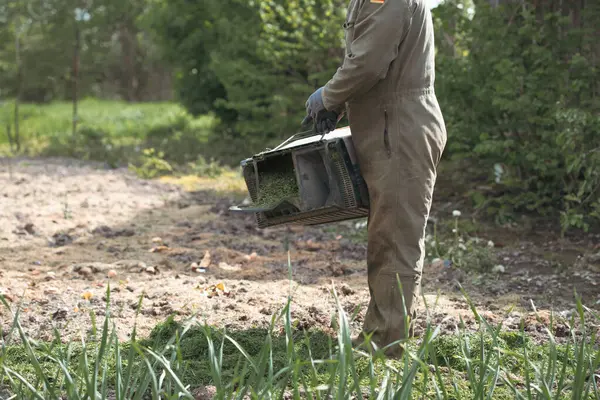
(378, 31)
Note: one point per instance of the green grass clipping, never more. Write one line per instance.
(275, 187)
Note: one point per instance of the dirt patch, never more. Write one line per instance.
(70, 231)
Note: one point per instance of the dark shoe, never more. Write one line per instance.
(394, 352)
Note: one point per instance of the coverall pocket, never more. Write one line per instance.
(386, 135)
(349, 36)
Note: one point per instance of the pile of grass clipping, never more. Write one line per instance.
(275, 187)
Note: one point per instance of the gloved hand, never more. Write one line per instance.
(314, 104)
(325, 122)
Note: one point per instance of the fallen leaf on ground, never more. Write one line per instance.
(205, 263)
(214, 290)
(312, 246)
(309, 245)
(159, 249)
(152, 270)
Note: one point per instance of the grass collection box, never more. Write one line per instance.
(306, 180)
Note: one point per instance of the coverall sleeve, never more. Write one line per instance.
(377, 33)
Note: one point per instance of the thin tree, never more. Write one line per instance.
(80, 15)
(19, 30)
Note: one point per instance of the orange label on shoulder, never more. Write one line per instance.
(377, 1)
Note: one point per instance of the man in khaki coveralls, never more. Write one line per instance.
(386, 84)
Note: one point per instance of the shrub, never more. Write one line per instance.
(152, 165)
(202, 167)
(458, 249)
(517, 87)
(180, 138)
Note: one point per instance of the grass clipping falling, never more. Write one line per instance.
(275, 187)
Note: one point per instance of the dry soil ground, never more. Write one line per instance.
(69, 229)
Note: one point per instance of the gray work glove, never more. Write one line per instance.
(314, 104)
(325, 122)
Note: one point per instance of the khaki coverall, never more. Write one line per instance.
(386, 85)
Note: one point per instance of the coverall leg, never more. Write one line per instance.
(386, 84)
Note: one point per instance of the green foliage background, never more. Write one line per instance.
(518, 83)
(519, 87)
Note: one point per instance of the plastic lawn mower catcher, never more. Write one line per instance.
(307, 180)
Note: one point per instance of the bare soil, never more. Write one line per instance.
(69, 229)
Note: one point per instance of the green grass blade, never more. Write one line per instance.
(50, 394)
(24, 381)
(145, 378)
(244, 353)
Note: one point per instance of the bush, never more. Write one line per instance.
(152, 165)
(458, 249)
(579, 141)
(181, 138)
(202, 167)
(88, 144)
(517, 88)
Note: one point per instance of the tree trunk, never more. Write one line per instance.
(76, 75)
(11, 142)
(17, 138)
(128, 51)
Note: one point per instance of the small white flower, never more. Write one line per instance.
(462, 247)
(498, 269)
(456, 213)
(498, 171)
(360, 225)
(490, 244)
(437, 263)
(453, 230)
